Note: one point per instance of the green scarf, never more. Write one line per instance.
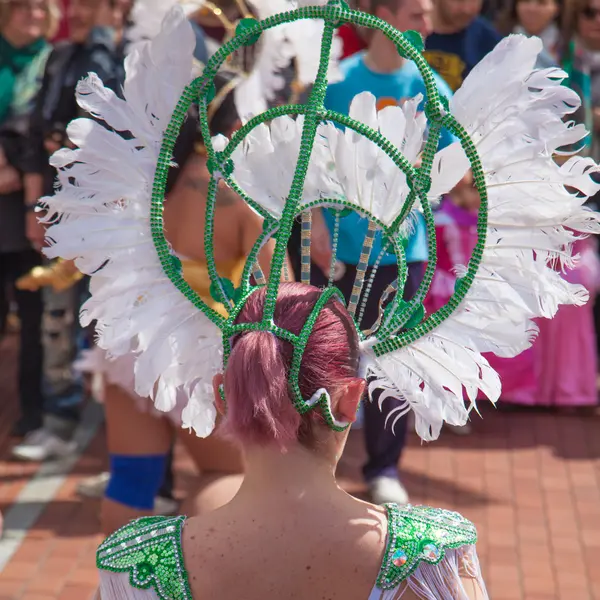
(13, 62)
(579, 80)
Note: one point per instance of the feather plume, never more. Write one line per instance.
(103, 205)
(515, 115)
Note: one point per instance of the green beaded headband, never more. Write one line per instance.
(404, 322)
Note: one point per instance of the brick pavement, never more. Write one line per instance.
(530, 481)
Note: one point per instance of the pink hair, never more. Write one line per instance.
(259, 405)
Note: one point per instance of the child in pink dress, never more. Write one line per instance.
(561, 368)
(456, 234)
(566, 356)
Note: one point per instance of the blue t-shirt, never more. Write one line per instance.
(389, 89)
(453, 55)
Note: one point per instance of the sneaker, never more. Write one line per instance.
(165, 506)
(42, 445)
(388, 489)
(465, 429)
(94, 487)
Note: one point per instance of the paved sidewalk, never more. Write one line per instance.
(530, 482)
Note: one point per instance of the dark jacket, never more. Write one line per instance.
(22, 138)
(14, 132)
(56, 104)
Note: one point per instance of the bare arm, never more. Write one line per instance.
(33, 184)
(34, 188)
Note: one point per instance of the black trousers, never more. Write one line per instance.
(384, 445)
(30, 310)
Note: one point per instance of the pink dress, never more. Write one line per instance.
(566, 359)
(560, 369)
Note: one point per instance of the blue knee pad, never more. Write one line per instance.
(135, 480)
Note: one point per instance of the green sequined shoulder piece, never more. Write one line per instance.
(149, 549)
(420, 533)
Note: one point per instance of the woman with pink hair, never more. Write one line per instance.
(287, 365)
(290, 516)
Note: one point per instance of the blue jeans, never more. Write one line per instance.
(63, 337)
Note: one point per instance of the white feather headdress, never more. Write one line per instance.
(515, 117)
(293, 45)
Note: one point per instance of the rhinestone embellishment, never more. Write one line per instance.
(417, 534)
(431, 552)
(399, 558)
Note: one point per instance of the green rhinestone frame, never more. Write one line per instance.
(398, 326)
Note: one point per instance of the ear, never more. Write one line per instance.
(349, 400)
(384, 13)
(217, 383)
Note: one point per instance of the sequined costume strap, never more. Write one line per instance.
(149, 550)
(420, 534)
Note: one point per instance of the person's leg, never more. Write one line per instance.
(65, 391)
(212, 455)
(383, 443)
(30, 310)
(168, 484)
(4, 307)
(138, 445)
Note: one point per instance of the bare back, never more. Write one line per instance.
(236, 226)
(279, 550)
(308, 553)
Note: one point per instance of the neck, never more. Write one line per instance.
(14, 40)
(297, 478)
(382, 56)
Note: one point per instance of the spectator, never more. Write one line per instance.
(581, 59)
(24, 27)
(95, 28)
(460, 39)
(456, 237)
(535, 17)
(391, 79)
(354, 39)
(493, 9)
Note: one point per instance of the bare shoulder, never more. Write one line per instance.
(204, 533)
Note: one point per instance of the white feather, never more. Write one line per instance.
(147, 17)
(516, 117)
(104, 208)
(343, 164)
